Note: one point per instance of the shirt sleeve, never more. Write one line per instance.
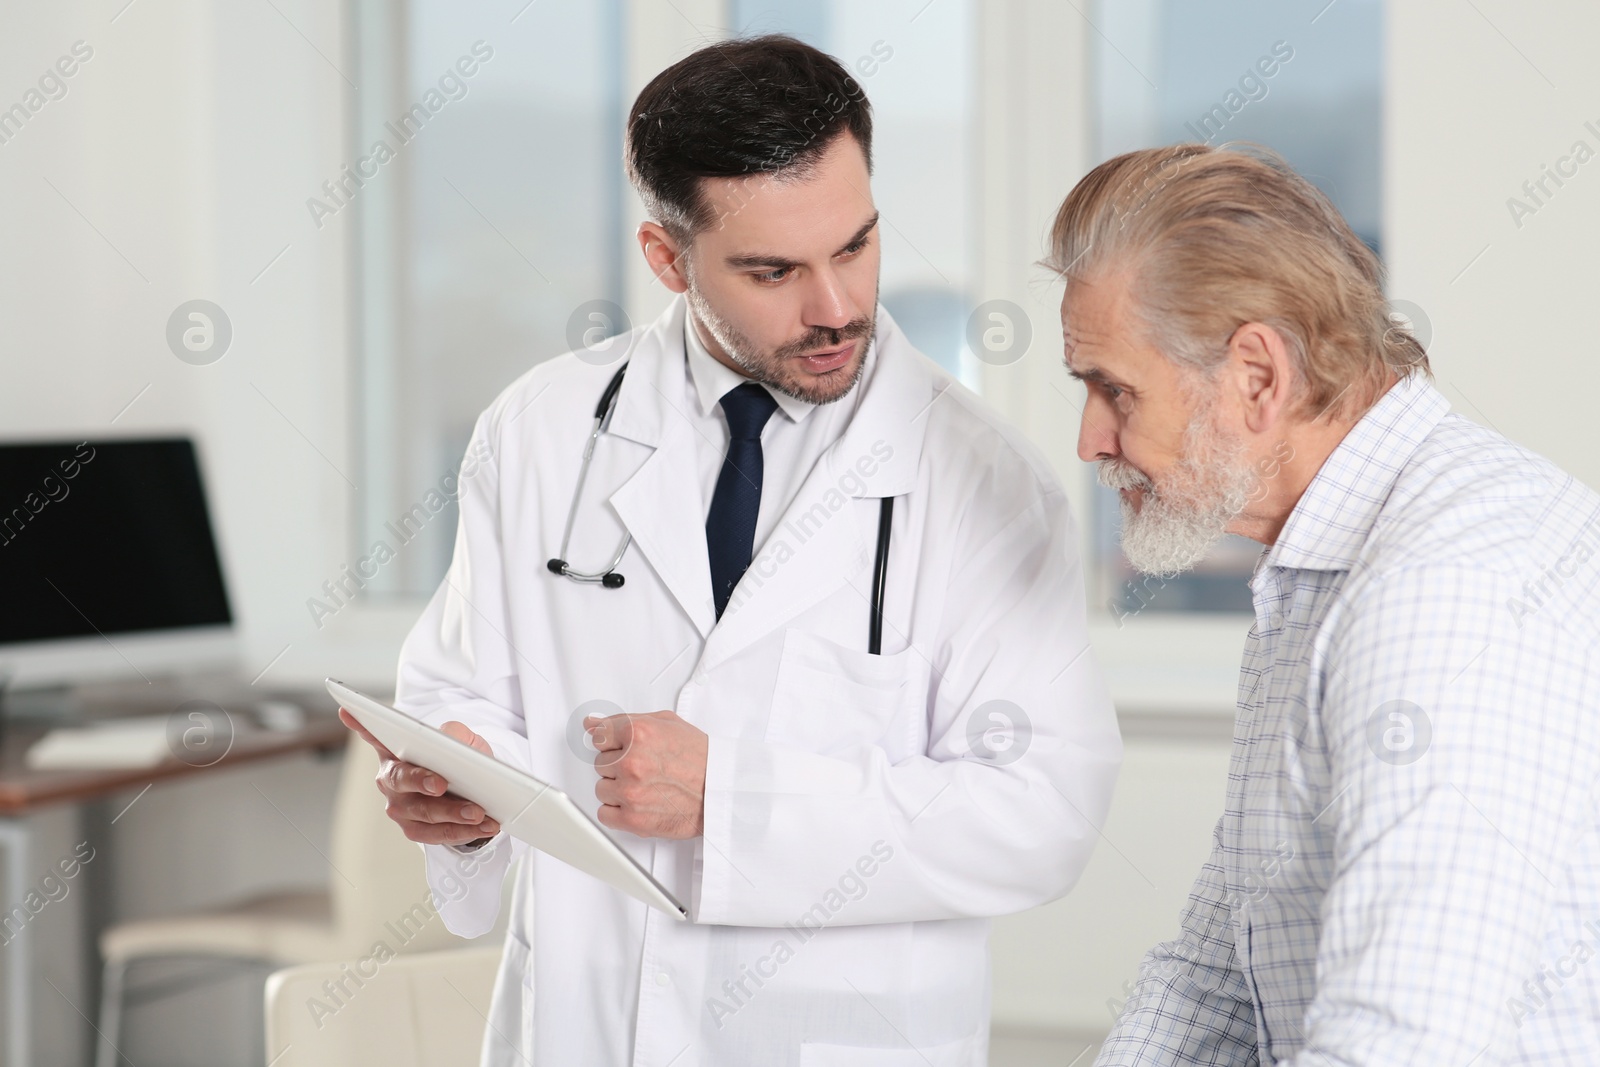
(1462, 760)
(1191, 1004)
(965, 827)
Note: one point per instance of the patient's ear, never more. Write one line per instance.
(1263, 373)
(661, 251)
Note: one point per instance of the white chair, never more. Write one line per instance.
(377, 891)
(424, 1010)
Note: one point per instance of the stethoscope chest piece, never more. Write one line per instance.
(609, 579)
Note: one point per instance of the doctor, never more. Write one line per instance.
(841, 803)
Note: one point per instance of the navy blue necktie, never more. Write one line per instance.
(731, 523)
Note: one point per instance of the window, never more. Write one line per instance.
(1167, 71)
(498, 215)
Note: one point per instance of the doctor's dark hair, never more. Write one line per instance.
(758, 107)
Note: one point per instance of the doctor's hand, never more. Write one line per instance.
(418, 798)
(652, 773)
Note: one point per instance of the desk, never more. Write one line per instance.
(23, 791)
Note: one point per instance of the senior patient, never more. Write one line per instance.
(1407, 870)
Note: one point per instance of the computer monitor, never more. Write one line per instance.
(108, 565)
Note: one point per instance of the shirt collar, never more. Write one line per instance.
(1335, 515)
(713, 378)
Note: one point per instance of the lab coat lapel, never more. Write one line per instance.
(826, 537)
(660, 504)
(803, 561)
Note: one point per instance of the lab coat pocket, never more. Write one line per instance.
(830, 699)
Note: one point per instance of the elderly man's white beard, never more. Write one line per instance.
(1206, 489)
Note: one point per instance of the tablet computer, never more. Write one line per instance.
(529, 810)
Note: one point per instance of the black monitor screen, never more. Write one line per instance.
(105, 537)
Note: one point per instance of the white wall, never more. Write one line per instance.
(1480, 96)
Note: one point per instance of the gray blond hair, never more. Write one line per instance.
(1213, 238)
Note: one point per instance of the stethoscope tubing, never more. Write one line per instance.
(612, 580)
(602, 419)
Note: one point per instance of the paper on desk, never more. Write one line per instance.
(140, 741)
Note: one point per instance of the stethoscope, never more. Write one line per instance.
(610, 579)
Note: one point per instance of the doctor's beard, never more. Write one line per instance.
(1177, 522)
(776, 368)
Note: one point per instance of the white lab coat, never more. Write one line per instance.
(861, 826)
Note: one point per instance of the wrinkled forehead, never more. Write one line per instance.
(1096, 316)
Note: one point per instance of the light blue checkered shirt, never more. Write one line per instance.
(1407, 870)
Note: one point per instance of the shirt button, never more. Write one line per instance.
(662, 979)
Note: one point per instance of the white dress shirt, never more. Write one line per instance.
(1408, 867)
(790, 444)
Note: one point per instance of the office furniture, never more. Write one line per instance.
(422, 1010)
(24, 791)
(377, 892)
